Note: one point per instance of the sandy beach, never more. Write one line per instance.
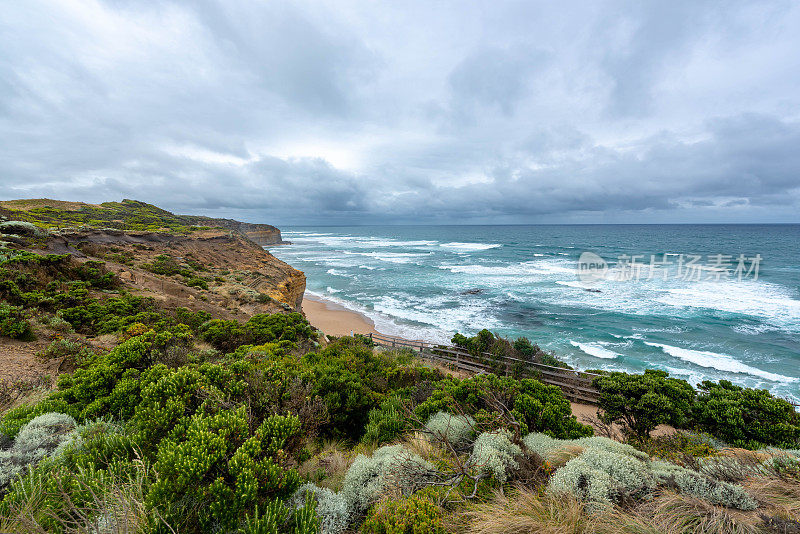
(335, 319)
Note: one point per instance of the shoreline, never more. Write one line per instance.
(334, 319)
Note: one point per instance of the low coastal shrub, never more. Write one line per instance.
(641, 402)
(36, 440)
(20, 228)
(387, 422)
(333, 511)
(390, 467)
(495, 454)
(415, 514)
(693, 483)
(71, 351)
(533, 405)
(14, 324)
(748, 418)
(457, 430)
(604, 472)
(227, 335)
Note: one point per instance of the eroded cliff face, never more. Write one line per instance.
(242, 277)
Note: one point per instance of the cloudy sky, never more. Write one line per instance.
(396, 112)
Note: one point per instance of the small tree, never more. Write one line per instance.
(642, 402)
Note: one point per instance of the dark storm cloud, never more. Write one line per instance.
(301, 112)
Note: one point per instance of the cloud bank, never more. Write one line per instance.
(352, 112)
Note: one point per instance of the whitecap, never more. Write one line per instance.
(470, 247)
(720, 362)
(594, 349)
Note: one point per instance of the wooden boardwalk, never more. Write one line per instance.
(576, 385)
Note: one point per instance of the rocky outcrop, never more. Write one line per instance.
(261, 234)
(245, 269)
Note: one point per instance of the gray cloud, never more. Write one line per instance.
(319, 112)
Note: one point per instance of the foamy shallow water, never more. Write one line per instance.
(429, 282)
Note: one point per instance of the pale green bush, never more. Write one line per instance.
(454, 429)
(694, 483)
(369, 477)
(602, 476)
(37, 439)
(494, 453)
(22, 228)
(585, 482)
(547, 447)
(333, 510)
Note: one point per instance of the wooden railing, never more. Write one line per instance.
(576, 385)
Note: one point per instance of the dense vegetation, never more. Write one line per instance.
(192, 423)
(747, 418)
(125, 215)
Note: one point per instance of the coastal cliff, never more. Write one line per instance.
(219, 262)
(260, 234)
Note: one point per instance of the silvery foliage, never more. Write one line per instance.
(495, 454)
(601, 476)
(21, 228)
(607, 470)
(694, 483)
(333, 510)
(370, 476)
(547, 447)
(455, 429)
(42, 436)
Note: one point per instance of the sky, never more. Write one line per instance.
(352, 112)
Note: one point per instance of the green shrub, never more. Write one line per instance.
(227, 335)
(748, 418)
(641, 402)
(72, 351)
(216, 464)
(14, 324)
(196, 281)
(387, 422)
(535, 406)
(416, 514)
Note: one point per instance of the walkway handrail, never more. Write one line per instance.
(575, 384)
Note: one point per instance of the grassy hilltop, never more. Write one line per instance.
(155, 376)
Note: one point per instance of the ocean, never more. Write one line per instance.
(724, 303)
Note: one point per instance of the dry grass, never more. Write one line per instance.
(422, 445)
(776, 496)
(522, 512)
(328, 465)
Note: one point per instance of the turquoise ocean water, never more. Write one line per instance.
(703, 322)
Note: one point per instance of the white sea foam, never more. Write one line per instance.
(336, 272)
(470, 247)
(573, 283)
(518, 269)
(720, 362)
(390, 257)
(771, 303)
(594, 349)
(332, 290)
